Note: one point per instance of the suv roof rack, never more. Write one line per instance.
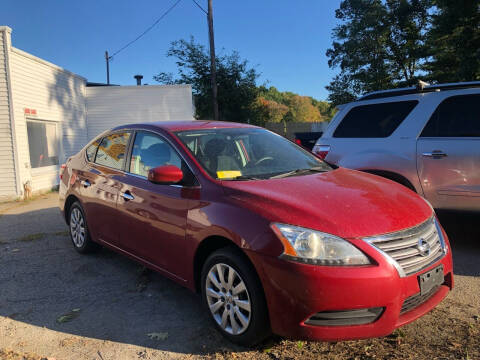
(422, 87)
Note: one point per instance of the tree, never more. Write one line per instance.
(408, 23)
(342, 90)
(237, 89)
(269, 111)
(454, 41)
(301, 109)
(272, 93)
(298, 108)
(327, 111)
(378, 45)
(359, 48)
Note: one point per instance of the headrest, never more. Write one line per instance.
(215, 147)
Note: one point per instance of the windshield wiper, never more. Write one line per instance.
(299, 172)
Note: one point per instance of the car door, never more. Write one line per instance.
(152, 221)
(100, 183)
(448, 154)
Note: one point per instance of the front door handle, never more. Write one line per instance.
(85, 183)
(436, 154)
(127, 196)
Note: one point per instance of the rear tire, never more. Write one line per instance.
(79, 234)
(233, 297)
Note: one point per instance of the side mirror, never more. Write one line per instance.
(166, 175)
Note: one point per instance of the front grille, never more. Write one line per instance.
(413, 301)
(412, 249)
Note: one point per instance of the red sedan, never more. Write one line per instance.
(275, 239)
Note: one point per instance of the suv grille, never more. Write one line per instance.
(412, 249)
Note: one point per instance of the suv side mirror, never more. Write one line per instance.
(166, 175)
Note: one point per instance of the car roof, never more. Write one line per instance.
(421, 87)
(186, 125)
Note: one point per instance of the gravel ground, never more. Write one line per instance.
(57, 304)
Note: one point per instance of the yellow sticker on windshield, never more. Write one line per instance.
(229, 174)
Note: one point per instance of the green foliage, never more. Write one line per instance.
(454, 41)
(289, 106)
(269, 111)
(407, 23)
(392, 43)
(378, 45)
(237, 90)
(342, 89)
(239, 98)
(359, 49)
(301, 108)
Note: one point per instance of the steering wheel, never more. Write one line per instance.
(263, 159)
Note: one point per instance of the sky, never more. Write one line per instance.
(285, 40)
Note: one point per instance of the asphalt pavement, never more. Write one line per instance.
(58, 303)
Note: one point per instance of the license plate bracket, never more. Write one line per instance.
(431, 279)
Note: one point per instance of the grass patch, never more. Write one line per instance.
(32, 237)
(61, 233)
(68, 316)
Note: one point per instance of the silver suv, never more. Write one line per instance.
(426, 138)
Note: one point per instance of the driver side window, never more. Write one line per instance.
(149, 151)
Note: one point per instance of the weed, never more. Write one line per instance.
(68, 316)
(32, 237)
(60, 233)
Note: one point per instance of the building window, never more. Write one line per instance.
(43, 143)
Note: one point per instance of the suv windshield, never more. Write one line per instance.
(248, 154)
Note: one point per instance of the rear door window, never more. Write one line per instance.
(375, 120)
(456, 116)
(112, 150)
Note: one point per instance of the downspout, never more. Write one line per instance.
(16, 168)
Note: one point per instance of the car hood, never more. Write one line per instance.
(343, 202)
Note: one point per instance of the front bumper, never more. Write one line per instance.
(295, 292)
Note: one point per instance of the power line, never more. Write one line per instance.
(200, 7)
(147, 30)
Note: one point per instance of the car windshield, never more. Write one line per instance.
(249, 154)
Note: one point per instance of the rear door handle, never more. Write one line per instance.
(127, 196)
(85, 183)
(435, 154)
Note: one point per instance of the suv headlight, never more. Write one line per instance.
(314, 247)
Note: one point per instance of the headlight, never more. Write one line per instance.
(314, 247)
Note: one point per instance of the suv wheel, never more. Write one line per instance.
(234, 298)
(79, 234)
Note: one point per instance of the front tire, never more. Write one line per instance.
(234, 298)
(79, 234)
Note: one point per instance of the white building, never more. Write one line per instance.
(48, 113)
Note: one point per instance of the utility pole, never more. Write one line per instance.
(213, 69)
(107, 59)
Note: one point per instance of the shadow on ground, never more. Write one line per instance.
(44, 278)
(463, 230)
